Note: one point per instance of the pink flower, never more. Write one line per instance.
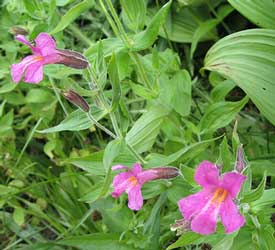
(216, 199)
(131, 181)
(44, 52)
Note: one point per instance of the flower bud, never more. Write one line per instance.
(181, 226)
(165, 172)
(72, 59)
(17, 30)
(240, 163)
(76, 99)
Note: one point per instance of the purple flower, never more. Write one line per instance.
(216, 199)
(44, 52)
(131, 181)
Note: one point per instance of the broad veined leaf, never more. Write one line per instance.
(72, 14)
(77, 120)
(260, 12)
(248, 58)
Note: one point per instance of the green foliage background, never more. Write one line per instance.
(182, 81)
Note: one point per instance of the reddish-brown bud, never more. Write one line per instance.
(72, 59)
(76, 99)
(166, 172)
(17, 30)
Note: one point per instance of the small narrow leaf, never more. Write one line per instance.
(146, 38)
(256, 193)
(72, 14)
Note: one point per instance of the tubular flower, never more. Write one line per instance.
(132, 180)
(216, 199)
(44, 52)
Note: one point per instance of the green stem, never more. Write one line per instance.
(103, 100)
(107, 131)
(120, 30)
(58, 96)
(109, 18)
(118, 23)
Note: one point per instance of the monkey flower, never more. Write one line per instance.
(44, 52)
(216, 199)
(131, 181)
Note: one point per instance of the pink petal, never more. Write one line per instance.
(205, 222)
(118, 167)
(135, 199)
(137, 168)
(230, 216)
(17, 70)
(23, 40)
(232, 182)
(34, 73)
(207, 174)
(45, 43)
(52, 58)
(146, 175)
(192, 204)
(121, 183)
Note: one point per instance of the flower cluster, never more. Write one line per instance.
(200, 211)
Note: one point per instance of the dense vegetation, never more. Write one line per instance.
(168, 83)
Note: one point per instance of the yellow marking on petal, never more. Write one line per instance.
(219, 196)
(133, 180)
(38, 58)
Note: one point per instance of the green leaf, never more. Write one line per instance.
(260, 13)
(185, 153)
(152, 225)
(114, 78)
(133, 13)
(226, 242)
(19, 216)
(221, 90)
(181, 25)
(72, 14)
(39, 96)
(266, 238)
(226, 156)
(146, 38)
(220, 114)
(247, 58)
(185, 239)
(176, 92)
(256, 193)
(266, 201)
(76, 121)
(96, 241)
(91, 163)
(109, 46)
(7, 88)
(145, 130)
